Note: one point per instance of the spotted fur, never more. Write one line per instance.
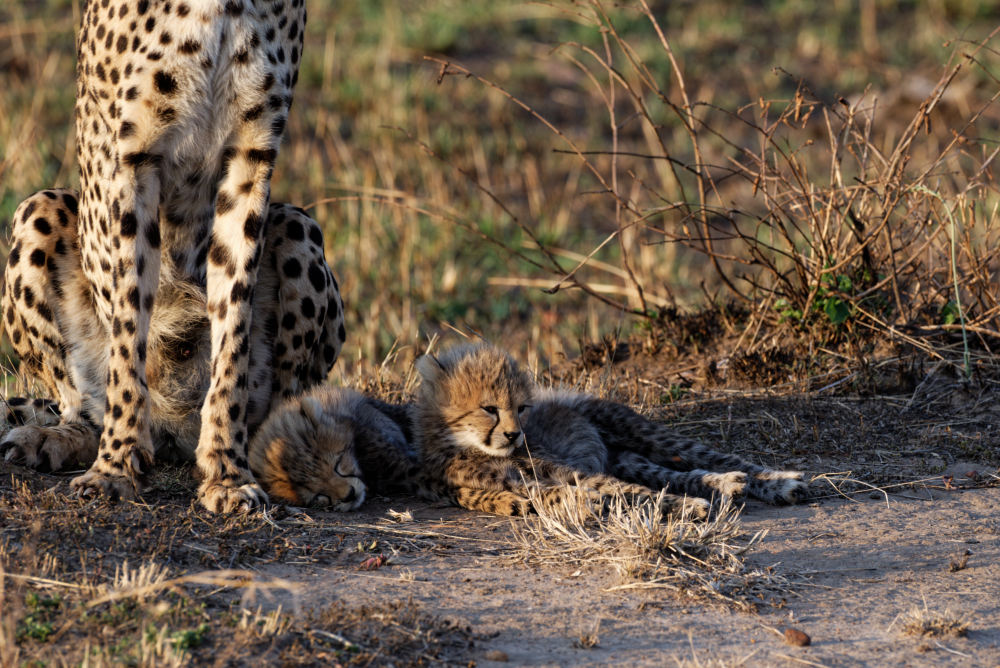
(473, 409)
(50, 315)
(483, 424)
(180, 107)
(320, 449)
(482, 436)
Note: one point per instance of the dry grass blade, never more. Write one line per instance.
(151, 582)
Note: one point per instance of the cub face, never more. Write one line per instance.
(480, 394)
(306, 457)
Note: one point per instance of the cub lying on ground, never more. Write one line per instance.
(488, 440)
(325, 447)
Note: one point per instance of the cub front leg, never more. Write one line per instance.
(491, 501)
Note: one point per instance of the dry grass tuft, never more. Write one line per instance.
(589, 639)
(646, 549)
(925, 623)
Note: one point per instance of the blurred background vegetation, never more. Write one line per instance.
(453, 200)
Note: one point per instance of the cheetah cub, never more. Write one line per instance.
(324, 448)
(486, 435)
(481, 436)
(473, 407)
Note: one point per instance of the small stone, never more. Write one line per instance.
(496, 655)
(796, 637)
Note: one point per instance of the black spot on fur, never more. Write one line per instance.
(129, 225)
(317, 277)
(252, 226)
(137, 159)
(316, 236)
(219, 255)
(261, 155)
(292, 268)
(253, 113)
(164, 82)
(241, 292)
(153, 235)
(224, 203)
(294, 231)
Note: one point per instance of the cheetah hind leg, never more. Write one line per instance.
(607, 487)
(636, 468)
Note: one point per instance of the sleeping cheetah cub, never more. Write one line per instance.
(321, 449)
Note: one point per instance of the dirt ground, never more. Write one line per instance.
(895, 561)
(855, 567)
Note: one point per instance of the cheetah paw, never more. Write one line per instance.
(731, 483)
(690, 507)
(93, 485)
(43, 448)
(779, 487)
(225, 498)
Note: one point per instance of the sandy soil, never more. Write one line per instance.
(854, 567)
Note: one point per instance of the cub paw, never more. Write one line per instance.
(690, 507)
(220, 497)
(93, 485)
(43, 448)
(781, 487)
(731, 483)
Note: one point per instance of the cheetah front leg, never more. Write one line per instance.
(125, 451)
(698, 482)
(490, 501)
(241, 206)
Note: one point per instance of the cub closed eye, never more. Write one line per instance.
(521, 409)
(492, 410)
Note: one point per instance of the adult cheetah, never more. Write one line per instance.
(180, 108)
(50, 315)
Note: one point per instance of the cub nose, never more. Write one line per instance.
(351, 495)
(512, 436)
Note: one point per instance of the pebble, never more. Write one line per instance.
(796, 637)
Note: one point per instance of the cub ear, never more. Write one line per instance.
(430, 369)
(312, 409)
